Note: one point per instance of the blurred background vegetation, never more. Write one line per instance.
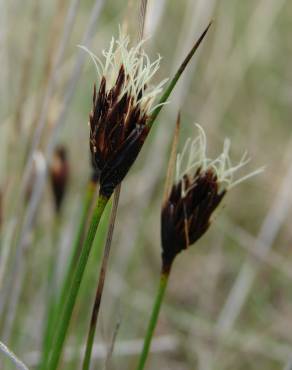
(229, 302)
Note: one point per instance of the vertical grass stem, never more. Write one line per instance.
(153, 319)
(64, 319)
(101, 280)
(59, 301)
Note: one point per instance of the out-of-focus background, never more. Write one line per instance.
(229, 301)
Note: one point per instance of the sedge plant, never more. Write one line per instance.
(96, 306)
(107, 248)
(124, 110)
(195, 187)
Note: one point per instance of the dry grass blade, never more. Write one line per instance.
(35, 142)
(200, 328)
(18, 363)
(4, 253)
(106, 252)
(27, 67)
(161, 344)
(142, 18)
(18, 269)
(244, 281)
(239, 62)
(110, 351)
(256, 249)
(68, 26)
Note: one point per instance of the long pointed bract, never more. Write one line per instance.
(176, 77)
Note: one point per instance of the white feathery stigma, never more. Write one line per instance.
(194, 157)
(139, 70)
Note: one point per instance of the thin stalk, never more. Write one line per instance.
(56, 310)
(16, 361)
(26, 70)
(49, 332)
(153, 319)
(64, 320)
(87, 202)
(50, 294)
(110, 350)
(97, 301)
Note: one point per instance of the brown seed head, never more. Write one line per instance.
(184, 219)
(118, 129)
(59, 174)
(121, 108)
(200, 185)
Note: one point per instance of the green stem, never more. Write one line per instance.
(49, 331)
(51, 294)
(62, 328)
(153, 320)
(101, 280)
(89, 195)
(55, 310)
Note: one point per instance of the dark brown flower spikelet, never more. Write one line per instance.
(59, 174)
(118, 129)
(184, 219)
(94, 178)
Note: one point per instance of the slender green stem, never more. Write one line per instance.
(101, 280)
(89, 195)
(55, 310)
(153, 320)
(50, 294)
(91, 269)
(62, 328)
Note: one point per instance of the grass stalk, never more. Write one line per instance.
(76, 279)
(101, 280)
(87, 202)
(55, 307)
(153, 319)
(88, 282)
(13, 358)
(51, 292)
